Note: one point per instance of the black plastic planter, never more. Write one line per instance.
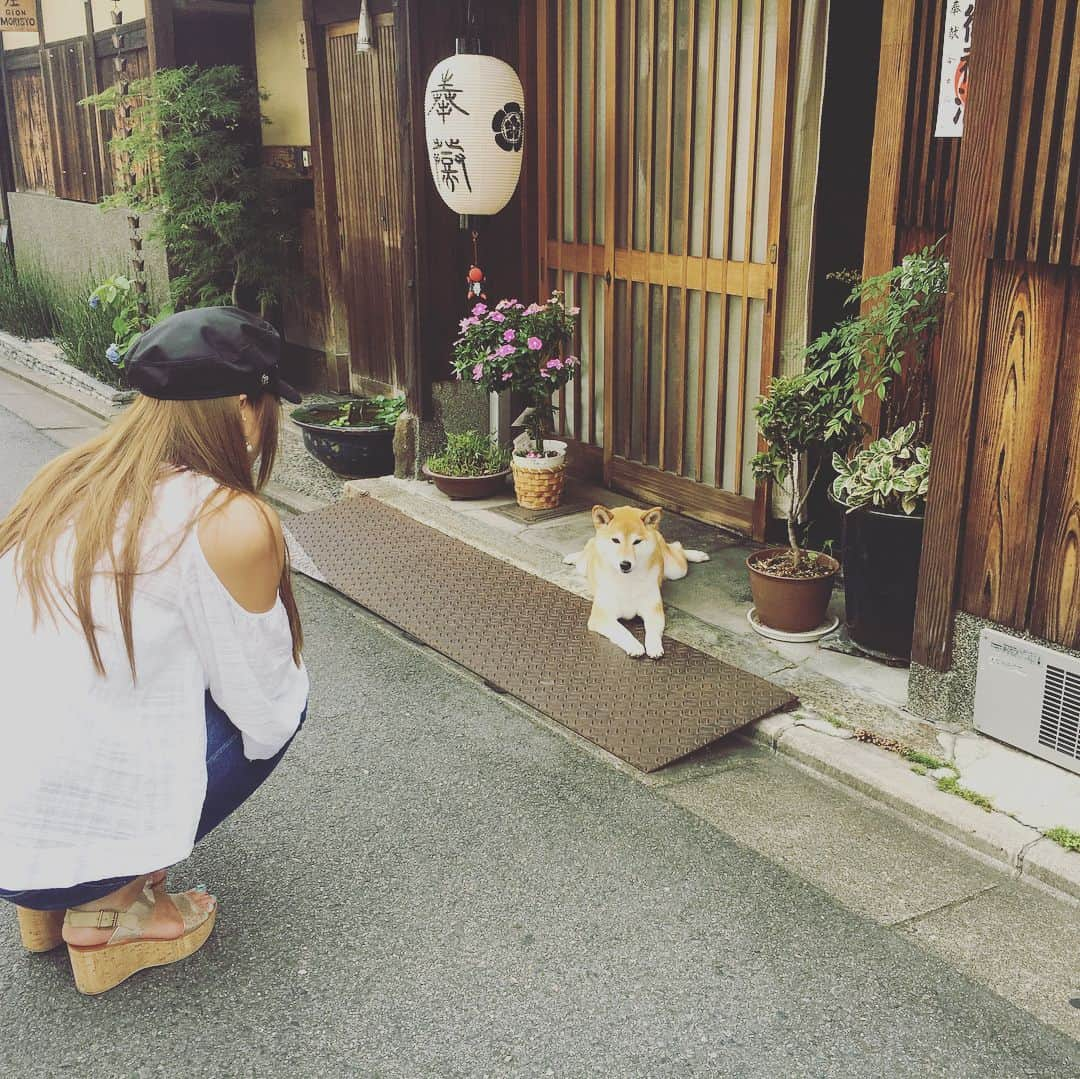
(351, 452)
(881, 578)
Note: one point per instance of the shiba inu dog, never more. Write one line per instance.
(626, 563)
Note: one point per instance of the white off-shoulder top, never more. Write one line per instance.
(101, 776)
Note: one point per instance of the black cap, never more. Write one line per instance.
(208, 352)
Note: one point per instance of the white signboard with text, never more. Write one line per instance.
(952, 93)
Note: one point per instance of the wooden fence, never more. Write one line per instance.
(58, 146)
(1003, 518)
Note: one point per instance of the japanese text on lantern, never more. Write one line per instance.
(956, 48)
(18, 15)
(444, 97)
(450, 167)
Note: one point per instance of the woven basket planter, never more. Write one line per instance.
(539, 489)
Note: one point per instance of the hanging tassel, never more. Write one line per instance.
(365, 34)
(475, 275)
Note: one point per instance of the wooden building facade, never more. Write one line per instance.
(657, 191)
(1003, 522)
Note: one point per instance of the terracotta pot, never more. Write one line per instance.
(790, 604)
(469, 486)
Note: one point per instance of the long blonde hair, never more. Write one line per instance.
(113, 477)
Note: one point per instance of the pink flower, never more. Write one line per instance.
(505, 350)
(478, 372)
(480, 309)
(533, 308)
(507, 375)
(535, 344)
(464, 324)
(502, 305)
(571, 361)
(497, 316)
(508, 335)
(555, 363)
(575, 311)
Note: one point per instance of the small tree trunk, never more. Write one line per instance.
(793, 513)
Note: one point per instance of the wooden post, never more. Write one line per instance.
(326, 213)
(989, 119)
(417, 387)
(93, 84)
(160, 34)
(7, 150)
(59, 186)
(886, 161)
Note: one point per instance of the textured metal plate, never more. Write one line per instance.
(528, 637)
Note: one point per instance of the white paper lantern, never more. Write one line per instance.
(475, 128)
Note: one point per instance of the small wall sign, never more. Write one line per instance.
(302, 42)
(952, 93)
(19, 15)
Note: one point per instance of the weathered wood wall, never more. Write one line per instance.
(1003, 517)
(60, 147)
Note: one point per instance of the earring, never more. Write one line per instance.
(249, 446)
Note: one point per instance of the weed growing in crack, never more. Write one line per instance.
(1064, 837)
(927, 760)
(951, 785)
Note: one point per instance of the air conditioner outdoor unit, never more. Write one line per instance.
(1029, 696)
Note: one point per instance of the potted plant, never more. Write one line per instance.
(471, 466)
(884, 351)
(883, 488)
(354, 437)
(791, 586)
(520, 349)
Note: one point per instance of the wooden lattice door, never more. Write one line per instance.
(368, 177)
(661, 150)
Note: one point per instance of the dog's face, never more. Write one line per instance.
(625, 537)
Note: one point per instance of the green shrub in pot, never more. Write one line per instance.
(469, 454)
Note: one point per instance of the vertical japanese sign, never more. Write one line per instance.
(952, 94)
(20, 15)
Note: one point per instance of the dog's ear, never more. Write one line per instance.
(651, 518)
(601, 516)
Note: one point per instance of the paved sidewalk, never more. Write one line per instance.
(837, 692)
(439, 882)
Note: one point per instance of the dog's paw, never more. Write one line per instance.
(654, 650)
(696, 556)
(635, 650)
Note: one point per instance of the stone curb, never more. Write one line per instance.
(45, 359)
(888, 779)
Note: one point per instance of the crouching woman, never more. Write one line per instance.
(149, 650)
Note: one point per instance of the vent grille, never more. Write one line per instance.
(1059, 725)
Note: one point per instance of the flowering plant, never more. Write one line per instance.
(116, 298)
(514, 347)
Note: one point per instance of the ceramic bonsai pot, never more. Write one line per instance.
(790, 604)
(881, 579)
(463, 487)
(351, 452)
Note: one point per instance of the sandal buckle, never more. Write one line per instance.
(107, 919)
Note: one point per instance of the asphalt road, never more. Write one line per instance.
(432, 884)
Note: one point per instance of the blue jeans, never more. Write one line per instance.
(230, 780)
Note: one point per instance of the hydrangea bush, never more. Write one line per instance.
(514, 347)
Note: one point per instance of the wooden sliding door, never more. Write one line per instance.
(661, 149)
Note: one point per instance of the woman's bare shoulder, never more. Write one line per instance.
(242, 540)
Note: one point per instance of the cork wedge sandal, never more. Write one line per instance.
(40, 929)
(101, 967)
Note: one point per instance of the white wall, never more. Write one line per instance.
(282, 73)
(131, 10)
